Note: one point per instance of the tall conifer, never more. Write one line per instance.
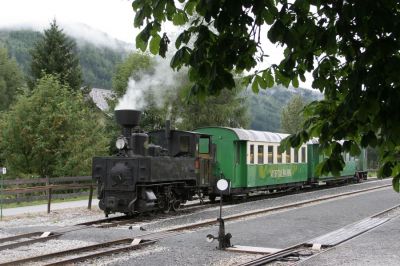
(55, 53)
(11, 78)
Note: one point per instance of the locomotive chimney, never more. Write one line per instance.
(128, 119)
(137, 142)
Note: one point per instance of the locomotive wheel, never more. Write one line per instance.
(167, 208)
(176, 205)
(164, 204)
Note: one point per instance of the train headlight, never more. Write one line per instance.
(120, 143)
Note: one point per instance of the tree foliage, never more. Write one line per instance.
(351, 48)
(11, 79)
(133, 66)
(98, 63)
(55, 53)
(292, 117)
(170, 101)
(50, 131)
(227, 109)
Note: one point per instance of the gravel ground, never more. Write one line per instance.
(212, 213)
(41, 249)
(180, 250)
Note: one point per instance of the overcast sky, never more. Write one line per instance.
(114, 17)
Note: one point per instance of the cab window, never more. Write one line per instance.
(184, 142)
(204, 145)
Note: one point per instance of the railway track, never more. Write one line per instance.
(36, 237)
(91, 251)
(314, 247)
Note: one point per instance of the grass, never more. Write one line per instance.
(372, 174)
(41, 202)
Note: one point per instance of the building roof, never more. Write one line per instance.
(100, 97)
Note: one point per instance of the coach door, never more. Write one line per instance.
(204, 159)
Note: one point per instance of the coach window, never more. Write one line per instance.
(296, 156)
(270, 154)
(260, 159)
(279, 156)
(303, 155)
(288, 156)
(252, 154)
(237, 153)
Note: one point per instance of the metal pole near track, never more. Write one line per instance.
(3, 171)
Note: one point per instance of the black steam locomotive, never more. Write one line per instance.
(155, 171)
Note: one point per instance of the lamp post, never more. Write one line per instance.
(223, 239)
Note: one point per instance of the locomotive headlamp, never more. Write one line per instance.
(120, 143)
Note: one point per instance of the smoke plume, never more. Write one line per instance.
(162, 80)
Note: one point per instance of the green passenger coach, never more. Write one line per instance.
(251, 161)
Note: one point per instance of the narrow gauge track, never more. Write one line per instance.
(35, 237)
(150, 237)
(302, 251)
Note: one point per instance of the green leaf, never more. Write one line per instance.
(396, 183)
(184, 37)
(268, 17)
(354, 149)
(254, 86)
(269, 79)
(139, 17)
(140, 44)
(155, 44)
(261, 82)
(179, 18)
(295, 82)
(190, 7)
(158, 11)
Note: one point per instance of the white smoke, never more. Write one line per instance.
(162, 80)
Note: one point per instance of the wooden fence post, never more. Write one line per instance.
(90, 197)
(48, 200)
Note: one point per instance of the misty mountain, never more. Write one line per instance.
(98, 61)
(99, 54)
(265, 108)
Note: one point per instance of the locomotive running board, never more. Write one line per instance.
(343, 234)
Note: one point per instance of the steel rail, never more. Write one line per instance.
(125, 241)
(296, 248)
(29, 241)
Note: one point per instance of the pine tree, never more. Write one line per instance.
(11, 78)
(55, 53)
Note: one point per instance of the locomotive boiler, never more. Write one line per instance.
(156, 171)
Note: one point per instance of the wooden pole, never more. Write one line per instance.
(90, 197)
(48, 200)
